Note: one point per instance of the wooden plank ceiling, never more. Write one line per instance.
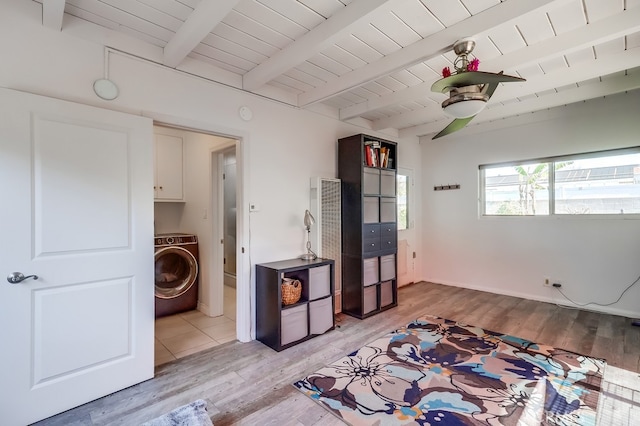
(373, 61)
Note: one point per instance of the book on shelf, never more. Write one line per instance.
(377, 155)
(368, 156)
(371, 156)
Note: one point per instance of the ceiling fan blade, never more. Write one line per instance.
(471, 77)
(454, 126)
(489, 88)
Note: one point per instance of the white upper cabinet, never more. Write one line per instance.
(168, 168)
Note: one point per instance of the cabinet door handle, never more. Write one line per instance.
(373, 245)
(160, 188)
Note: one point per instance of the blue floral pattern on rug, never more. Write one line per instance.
(436, 371)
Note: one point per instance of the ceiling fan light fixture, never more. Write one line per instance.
(465, 109)
(465, 101)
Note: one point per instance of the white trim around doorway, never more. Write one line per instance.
(244, 291)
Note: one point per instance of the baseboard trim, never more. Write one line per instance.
(562, 302)
(204, 308)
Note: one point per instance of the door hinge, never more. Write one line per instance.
(242, 249)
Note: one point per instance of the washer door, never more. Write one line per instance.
(176, 271)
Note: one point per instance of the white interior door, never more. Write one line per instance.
(406, 227)
(77, 212)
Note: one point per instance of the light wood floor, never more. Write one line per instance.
(250, 384)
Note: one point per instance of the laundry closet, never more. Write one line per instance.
(194, 295)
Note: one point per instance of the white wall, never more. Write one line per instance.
(594, 258)
(285, 146)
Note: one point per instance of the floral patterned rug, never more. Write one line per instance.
(436, 371)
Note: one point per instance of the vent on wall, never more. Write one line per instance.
(327, 238)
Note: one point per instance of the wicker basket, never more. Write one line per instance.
(291, 291)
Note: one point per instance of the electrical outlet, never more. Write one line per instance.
(546, 282)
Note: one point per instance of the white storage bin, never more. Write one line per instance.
(386, 293)
(320, 316)
(370, 271)
(371, 210)
(294, 324)
(370, 299)
(388, 210)
(387, 182)
(387, 267)
(371, 181)
(319, 282)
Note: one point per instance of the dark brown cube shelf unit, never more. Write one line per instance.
(367, 169)
(280, 326)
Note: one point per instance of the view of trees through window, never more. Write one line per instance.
(602, 183)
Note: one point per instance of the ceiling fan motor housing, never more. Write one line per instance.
(473, 92)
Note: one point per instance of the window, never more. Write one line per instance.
(605, 182)
(517, 190)
(402, 200)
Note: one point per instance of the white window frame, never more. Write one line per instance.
(551, 182)
(409, 175)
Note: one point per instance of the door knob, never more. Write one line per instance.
(18, 277)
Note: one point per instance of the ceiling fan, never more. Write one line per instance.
(469, 89)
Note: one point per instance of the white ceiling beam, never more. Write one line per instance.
(626, 22)
(427, 48)
(52, 14)
(312, 43)
(406, 119)
(577, 94)
(611, 28)
(200, 22)
(625, 60)
(408, 94)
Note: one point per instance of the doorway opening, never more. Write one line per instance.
(405, 214)
(205, 166)
(230, 230)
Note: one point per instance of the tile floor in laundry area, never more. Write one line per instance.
(183, 334)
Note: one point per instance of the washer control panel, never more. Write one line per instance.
(175, 239)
